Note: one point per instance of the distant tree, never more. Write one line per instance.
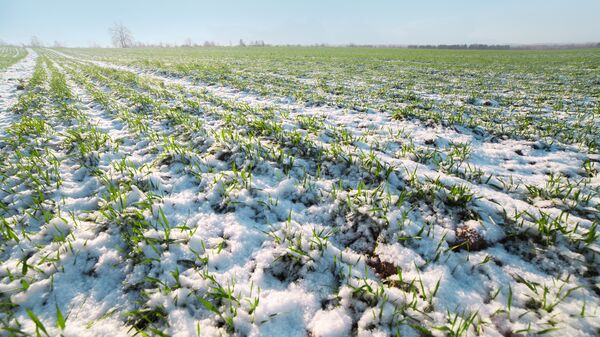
(121, 36)
(2, 43)
(188, 42)
(57, 44)
(258, 43)
(35, 42)
(242, 43)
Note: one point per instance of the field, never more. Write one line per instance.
(299, 192)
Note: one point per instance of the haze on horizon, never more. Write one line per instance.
(83, 23)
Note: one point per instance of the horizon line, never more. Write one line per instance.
(262, 43)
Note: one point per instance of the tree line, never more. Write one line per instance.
(462, 46)
(122, 37)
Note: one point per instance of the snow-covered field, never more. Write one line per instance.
(299, 192)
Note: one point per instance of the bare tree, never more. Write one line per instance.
(258, 43)
(121, 36)
(35, 42)
(57, 44)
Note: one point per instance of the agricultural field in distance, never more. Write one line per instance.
(10, 55)
(296, 191)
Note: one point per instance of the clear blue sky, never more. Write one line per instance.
(80, 22)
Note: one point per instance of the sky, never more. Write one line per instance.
(84, 22)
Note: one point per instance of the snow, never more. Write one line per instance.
(331, 323)
(9, 80)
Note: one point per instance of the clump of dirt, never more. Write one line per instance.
(468, 238)
(383, 269)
